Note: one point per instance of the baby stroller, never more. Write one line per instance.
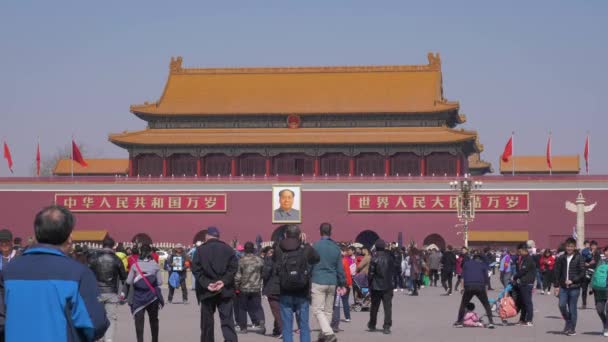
(505, 305)
(362, 294)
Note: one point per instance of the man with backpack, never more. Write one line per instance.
(569, 276)
(599, 283)
(293, 260)
(591, 259)
(327, 278)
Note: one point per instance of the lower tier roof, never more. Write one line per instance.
(286, 136)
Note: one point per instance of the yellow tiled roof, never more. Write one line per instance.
(538, 164)
(302, 90)
(95, 167)
(89, 235)
(322, 136)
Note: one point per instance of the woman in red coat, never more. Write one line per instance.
(547, 262)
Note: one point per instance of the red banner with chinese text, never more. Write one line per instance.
(435, 202)
(143, 202)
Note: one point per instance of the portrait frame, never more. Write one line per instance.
(296, 204)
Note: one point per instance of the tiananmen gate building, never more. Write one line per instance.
(371, 149)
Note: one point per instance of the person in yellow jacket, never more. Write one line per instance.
(122, 255)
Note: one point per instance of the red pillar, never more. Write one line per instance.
(233, 167)
(423, 165)
(351, 166)
(199, 167)
(316, 167)
(131, 173)
(164, 166)
(458, 166)
(387, 166)
(268, 166)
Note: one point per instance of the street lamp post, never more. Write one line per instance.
(466, 202)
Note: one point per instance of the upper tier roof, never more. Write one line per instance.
(286, 136)
(301, 90)
(95, 167)
(538, 164)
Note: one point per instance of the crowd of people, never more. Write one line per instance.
(75, 293)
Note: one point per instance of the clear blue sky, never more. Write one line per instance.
(529, 66)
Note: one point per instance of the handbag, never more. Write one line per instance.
(152, 288)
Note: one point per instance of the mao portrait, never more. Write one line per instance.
(286, 204)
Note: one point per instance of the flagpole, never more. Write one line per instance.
(512, 154)
(550, 152)
(588, 153)
(72, 155)
(38, 161)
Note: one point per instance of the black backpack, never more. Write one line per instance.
(294, 272)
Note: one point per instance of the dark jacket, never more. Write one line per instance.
(576, 274)
(525, 270)
(214, 260)
(2, 308)
(474, 272)
(272, 286)
(64, 309)
(448, 261)
(108, 269)
(381, 271)
(292, 244)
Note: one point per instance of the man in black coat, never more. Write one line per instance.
(109, 270)
(214, 267)
(448, 266)
(569, 278)
(272, 290)
(381, 276)
(524, 279)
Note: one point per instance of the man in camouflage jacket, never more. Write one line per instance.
(248, 282)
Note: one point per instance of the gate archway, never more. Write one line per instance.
(435, 239)
(367, 238)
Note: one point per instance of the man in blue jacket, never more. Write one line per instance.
(474, 275)
(50, 296)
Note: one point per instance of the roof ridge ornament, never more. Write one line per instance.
(176, 64)
(434, 60)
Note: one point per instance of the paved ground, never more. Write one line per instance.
(425, 318)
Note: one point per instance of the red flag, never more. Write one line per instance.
(508, 152)
(549, 153)
(8, 157)
(77, 156)
(587, 155)
(38, 160)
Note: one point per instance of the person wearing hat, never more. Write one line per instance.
(176, 265)
(6, 247)
(215, 266)
(381, 275)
